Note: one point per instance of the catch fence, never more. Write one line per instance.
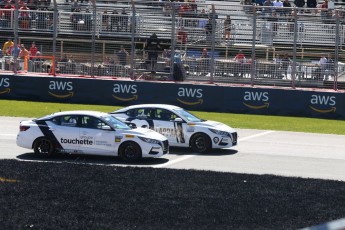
(293, 47)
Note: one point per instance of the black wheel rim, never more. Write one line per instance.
(130, 151)
(200, 143)
(44, 147)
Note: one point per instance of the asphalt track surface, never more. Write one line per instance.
(293, 154)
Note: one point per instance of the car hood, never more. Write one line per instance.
(215, 125)
(146, 133)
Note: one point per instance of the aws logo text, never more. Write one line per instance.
(60, 88)
(190, 96)
(323, 103)
(256, 100)
(4, 85)
(124, 89)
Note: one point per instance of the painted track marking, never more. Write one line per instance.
(190, 156)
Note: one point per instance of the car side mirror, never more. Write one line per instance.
(144, 126)
(132, 125)
(106, 127)
(178, 119)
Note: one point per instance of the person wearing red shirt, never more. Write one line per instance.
(33, 50)
(240, 57)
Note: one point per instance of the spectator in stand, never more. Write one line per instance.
(227, 28)
(182, 36)
(287, 5)
(323, 64)
(114, 21)
(208, 29)
(204, 63)
(285, 65)
(259, 2)
(240, 57)
(33, 50)
(152, 47)
(7, 46)
(24, 16)
(278, 5)
(325, 12)
(24, 53)
(267, 7)
(122, 55)
(76, 18)
(15, 50)
(312, 4)
(6, 14)
(300, 4)
(202, 14)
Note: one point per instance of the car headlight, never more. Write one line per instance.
(218, 132)
(149, 140)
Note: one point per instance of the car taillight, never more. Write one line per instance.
(23, 128)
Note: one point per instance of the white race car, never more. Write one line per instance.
(182, 128)
(89, 132)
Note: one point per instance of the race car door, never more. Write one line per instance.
(95, 138)
(164, 123)
(65, 130)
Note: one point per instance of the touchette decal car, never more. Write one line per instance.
(89, 132)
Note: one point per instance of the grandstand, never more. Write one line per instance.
(93, 35)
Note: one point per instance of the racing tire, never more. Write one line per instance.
(44, 147)
(130, 151)
(200, 143)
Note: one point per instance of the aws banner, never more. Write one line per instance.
(190, 96)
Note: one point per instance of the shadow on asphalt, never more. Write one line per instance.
(90, 159)
(213, 152)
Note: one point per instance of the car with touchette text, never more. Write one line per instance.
(89, 132)
(182, 128)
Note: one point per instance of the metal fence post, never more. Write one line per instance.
(293, 70)
(173, 39)
(213, 43)
(55, 20)
(133, 28)
(93, 38)
(16, 15)
(253, 64)
(336, 52)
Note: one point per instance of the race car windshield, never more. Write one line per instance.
(187, 115)
(117, 124)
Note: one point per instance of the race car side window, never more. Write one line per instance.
(68, 120)
(164, 115)
(92, 122)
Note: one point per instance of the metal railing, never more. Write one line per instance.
(279, 46)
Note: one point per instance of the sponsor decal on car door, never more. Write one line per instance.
(67, 136)
(96, 140)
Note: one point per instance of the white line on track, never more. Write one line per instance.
(8, 135)
(190, 156)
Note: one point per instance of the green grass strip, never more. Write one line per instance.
(298, 124)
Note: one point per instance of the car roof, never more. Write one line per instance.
(160, 106)
(74, 112)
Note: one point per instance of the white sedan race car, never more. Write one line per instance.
(182, 128)
(89, 132)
